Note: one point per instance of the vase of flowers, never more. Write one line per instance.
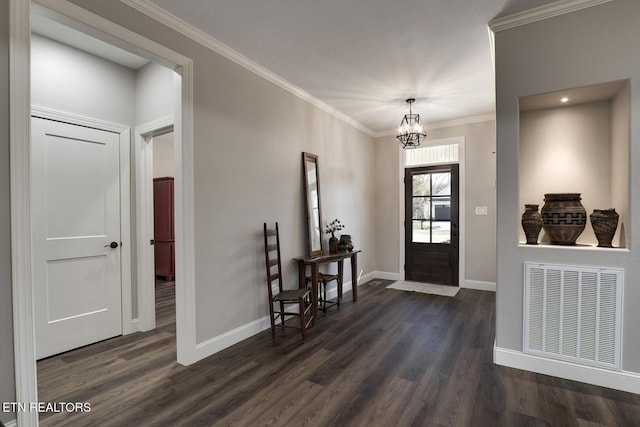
(332, 228)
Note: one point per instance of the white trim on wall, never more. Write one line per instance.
(541, 12)
(128, 326)
(387, 275)
(478, 285)
(460, 140)
(20, 160)
(618, 380)
(184, 216)
(144, 219)
(467, 284)
(234, 336)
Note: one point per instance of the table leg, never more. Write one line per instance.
(302, 275)
(340, 279)
(314, 290)
(354, 276)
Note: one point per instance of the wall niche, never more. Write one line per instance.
(577, 141)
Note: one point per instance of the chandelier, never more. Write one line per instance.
(410, 133)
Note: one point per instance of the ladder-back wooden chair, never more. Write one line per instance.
(280, 298)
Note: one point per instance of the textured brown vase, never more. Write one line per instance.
(604, 223)
(563, 217)
(531, 223)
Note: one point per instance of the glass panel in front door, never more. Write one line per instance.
(431, 202)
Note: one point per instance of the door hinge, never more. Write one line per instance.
(152, 242)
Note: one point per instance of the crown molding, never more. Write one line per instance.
(150, 9)
(542, 12)
(462, 121)
(445, 124)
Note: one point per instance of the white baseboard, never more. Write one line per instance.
(468, 284)
(346, 287)
(234, 336)
(229, 338)
(478, 285)
(386, 275)
(132, 326)
(618, 380)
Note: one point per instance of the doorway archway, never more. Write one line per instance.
(20, 107)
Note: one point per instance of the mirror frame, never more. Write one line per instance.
(314, 233)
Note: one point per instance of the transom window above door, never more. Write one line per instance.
(435, 154)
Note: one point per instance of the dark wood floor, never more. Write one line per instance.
(394, 358)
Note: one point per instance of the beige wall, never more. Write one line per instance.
(479, 190)
(249, 173)
(586, 47)
(388, 198)
(248, 138)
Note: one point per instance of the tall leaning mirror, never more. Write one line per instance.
(312, 192)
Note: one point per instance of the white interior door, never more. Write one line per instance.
(75, 209)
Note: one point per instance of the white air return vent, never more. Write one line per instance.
(573, 313)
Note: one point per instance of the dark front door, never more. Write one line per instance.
(431, 224)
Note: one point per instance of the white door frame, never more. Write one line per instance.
(124, 133)
(144, 218)
(460, 140)
(19, 143)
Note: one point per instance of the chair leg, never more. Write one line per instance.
(303, 320)
(309, 307)
(282, 314)
(323, 290)
(273, 321)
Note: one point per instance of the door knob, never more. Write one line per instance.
(112, 245)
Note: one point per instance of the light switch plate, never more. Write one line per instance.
(482, 210)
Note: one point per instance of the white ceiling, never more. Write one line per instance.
(365, 57)
(360, 57)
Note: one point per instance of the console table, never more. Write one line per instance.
(316, 262)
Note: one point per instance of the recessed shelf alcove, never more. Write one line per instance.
(581, 146)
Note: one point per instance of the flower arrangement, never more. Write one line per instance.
(334, 226)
